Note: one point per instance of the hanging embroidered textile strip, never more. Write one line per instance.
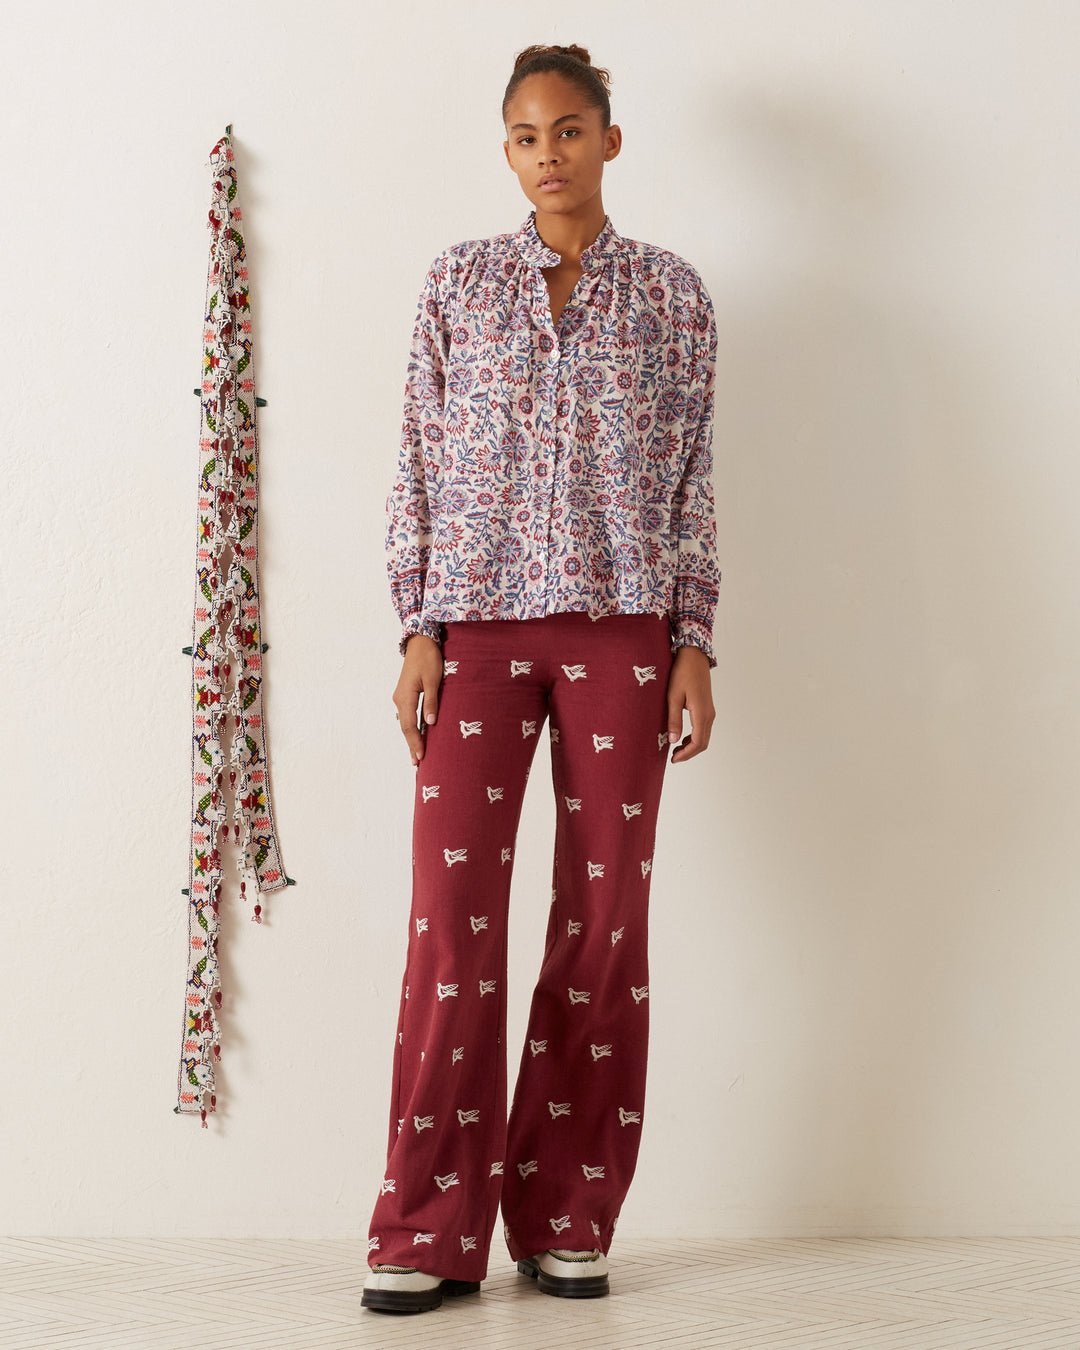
(229, 768)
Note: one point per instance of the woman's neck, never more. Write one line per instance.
(568, 235)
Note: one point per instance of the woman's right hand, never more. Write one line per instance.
(421, 674)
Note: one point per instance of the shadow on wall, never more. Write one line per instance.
(870, 490)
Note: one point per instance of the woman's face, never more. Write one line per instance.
(556, 143)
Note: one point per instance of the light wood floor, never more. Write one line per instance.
(793, 1294)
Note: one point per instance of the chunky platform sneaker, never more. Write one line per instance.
(568, 1274)
(404, 1289)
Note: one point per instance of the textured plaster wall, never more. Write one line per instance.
(866, 1015)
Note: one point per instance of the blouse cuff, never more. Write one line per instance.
(688, 634)
(415, 626)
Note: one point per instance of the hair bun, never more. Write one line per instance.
(579, 53)
(575, 52)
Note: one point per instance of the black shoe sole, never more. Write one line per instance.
(589, 1286)
(424, 1300)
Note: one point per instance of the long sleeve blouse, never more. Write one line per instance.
(547, 467)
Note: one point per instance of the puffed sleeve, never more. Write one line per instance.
(697, 576)
(408, 516)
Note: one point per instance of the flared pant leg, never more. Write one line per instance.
(439, 1198)
(578, 1105)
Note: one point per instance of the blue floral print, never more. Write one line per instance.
(547, 468)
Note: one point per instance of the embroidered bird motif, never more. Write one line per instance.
(616, 934)
(423, 1123)
(449, 667)
(578, 995)
(537, 1047)
(495, 794)
(428, 792)
(507, 854)
(526, 1169)
(592, 1173)
(427, 1238)
(558, 1109)
(572, 803)
(574, 672)
(373, 1244)
(468, 1117)
(644, 673)
(457, 1054)
(630, 809)
(388, 1186)
(446, 991)
(520, 668)
(595, 870)
(421, 926)
(528, 729)
(400, 1123)
(487, 987)
(455, 855)
(478, 923)
(470, 728)
(629, 1117)
(560, 1225)
(554, 735)
(444, 1183)
(646, 866)
(496, 1170)
(641, 992)
(595, 1228)
(600, 1052)
(603, 742)
(662, 738)
(573, 927)
(468, 1244)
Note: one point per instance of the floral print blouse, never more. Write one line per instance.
(551, 467)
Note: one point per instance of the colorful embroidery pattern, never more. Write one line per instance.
(229, 739)
(549, 467)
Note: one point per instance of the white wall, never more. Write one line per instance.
(865, 1005)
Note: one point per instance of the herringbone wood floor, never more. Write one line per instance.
(793, 1294)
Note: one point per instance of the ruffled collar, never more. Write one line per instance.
(534, 251)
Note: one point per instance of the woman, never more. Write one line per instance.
(551, 550)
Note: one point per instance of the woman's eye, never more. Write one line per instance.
(569, 131)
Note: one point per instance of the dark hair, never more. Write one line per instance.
(574, 64)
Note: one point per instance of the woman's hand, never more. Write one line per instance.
(421, 673)
(690, 687)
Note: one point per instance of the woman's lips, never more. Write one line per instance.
(553, 185)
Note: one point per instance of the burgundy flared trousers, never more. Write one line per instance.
(563, 1163)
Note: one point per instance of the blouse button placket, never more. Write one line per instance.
(544, 485)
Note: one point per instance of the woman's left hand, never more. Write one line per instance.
(690, 687)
